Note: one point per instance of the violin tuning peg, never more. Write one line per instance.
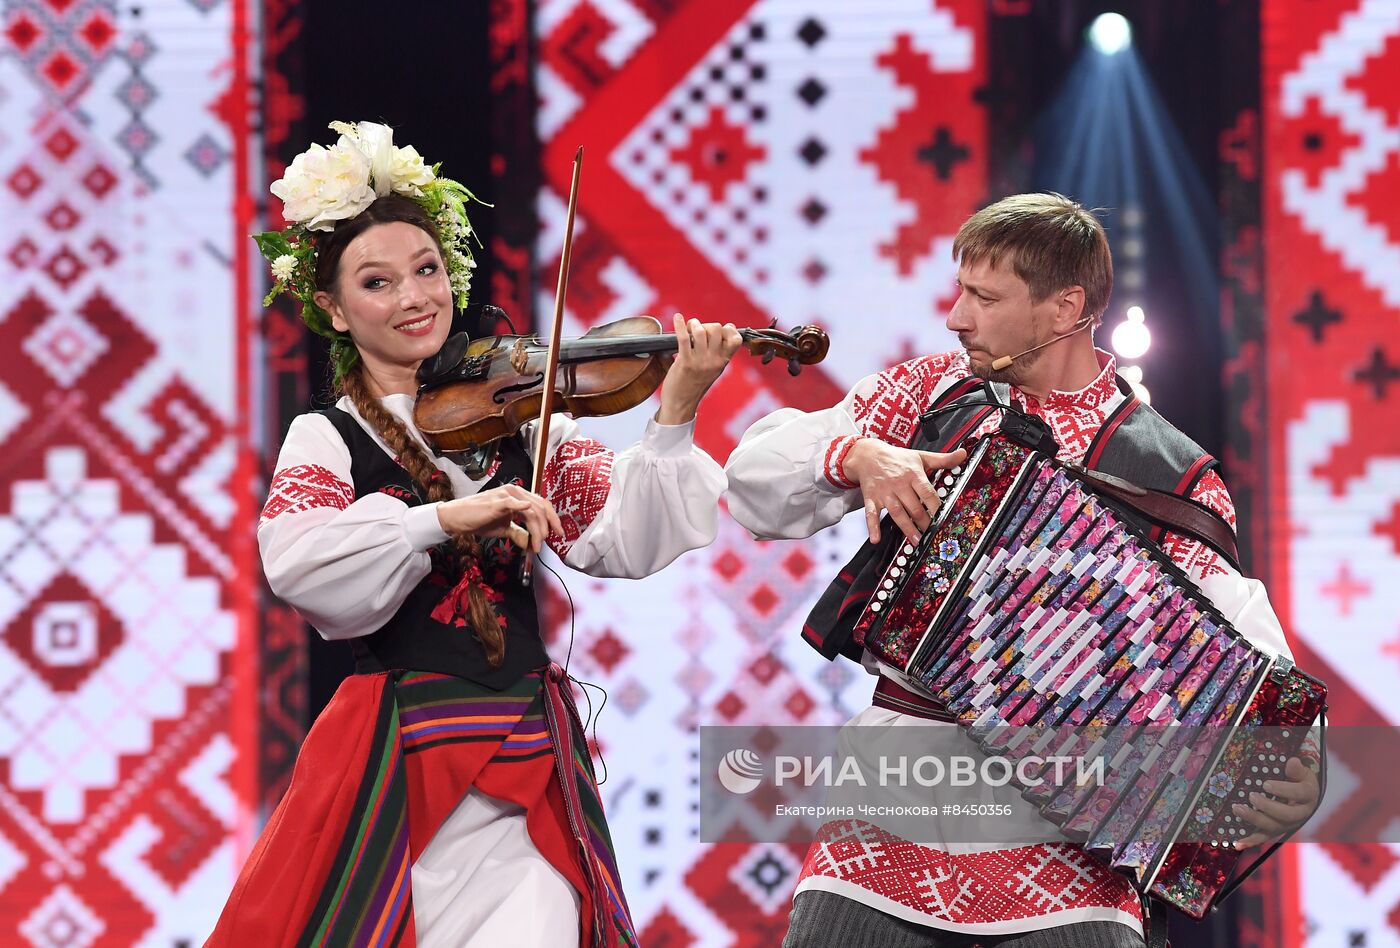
(794, 367)
(767, 356)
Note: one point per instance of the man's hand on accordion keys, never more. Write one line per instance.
(897, 480)
(1297, 799)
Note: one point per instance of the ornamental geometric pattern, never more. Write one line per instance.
(576, 482)
(305, 487)
(978, 888)
(1331, 127)
(127, 565)
(804, 160)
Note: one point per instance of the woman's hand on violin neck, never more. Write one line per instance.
(702, 352)
(501, 512)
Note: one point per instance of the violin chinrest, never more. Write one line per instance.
(442, 367)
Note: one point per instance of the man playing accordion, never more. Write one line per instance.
(1033, 270)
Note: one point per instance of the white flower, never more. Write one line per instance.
(377, 143)
(325, 185)
(408, 174)
(284, 267)
(391, 169)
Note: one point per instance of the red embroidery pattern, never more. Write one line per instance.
(1195, 557)
(889, 404)
(1074, 428)
(1102, 390)
(888, 407)
(1074, 417)
(305, 487)
(835, 461)
(576, 481)
(968, 888)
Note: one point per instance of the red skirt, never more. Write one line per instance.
(383, 766)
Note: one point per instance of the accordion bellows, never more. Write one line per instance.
(1045, 622)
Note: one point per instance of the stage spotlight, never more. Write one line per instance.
(1133, 373)
(1110, 33)
(1131, 338)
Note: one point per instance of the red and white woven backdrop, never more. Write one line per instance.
(1332, 283)
(808, 160)
(127, 570)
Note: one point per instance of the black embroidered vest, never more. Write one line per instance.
(1134, 443)
(431, 631)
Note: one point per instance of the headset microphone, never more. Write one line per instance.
(1004, 362)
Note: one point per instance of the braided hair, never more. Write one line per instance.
(411, 455)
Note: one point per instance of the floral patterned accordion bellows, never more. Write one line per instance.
(1050, 627)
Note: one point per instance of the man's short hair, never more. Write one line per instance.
(1053, 243)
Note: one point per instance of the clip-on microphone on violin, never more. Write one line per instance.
(492, 315)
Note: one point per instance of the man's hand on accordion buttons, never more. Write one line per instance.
(1298, 797)
(896, 479)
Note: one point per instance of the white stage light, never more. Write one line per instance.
(1110, 33)
(1133, 373)
(1131, 338)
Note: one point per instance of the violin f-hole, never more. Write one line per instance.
(500, 395)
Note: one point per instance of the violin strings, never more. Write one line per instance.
(584, 685)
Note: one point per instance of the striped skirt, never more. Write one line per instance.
(384, 765)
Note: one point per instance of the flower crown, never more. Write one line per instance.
(324, 186)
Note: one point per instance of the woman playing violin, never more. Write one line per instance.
(445, 796)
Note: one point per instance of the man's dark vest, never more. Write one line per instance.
(1134, 443)
(413, 638)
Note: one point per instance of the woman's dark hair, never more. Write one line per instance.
(389, 209)
(410, 454)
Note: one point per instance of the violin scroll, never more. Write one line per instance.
(804, 345)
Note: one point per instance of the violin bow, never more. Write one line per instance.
(551, 369)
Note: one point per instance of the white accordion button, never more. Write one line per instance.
(901, 561)
(882, 595)
(875, 606)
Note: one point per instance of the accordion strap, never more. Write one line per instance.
(1164, 509)
(1174, 513)
(1155, 927)
(892, 696)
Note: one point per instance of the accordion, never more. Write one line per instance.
(1044, 619)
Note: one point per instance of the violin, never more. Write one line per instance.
(478, 391)
(474, 393)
